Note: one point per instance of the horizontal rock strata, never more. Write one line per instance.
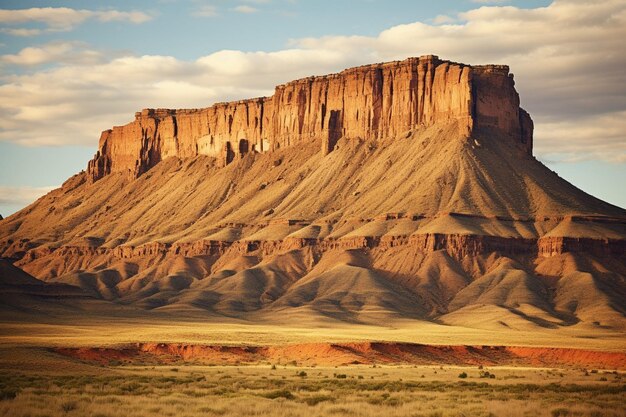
(456, 245)
(370, 102)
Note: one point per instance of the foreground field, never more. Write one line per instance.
(71, 367)
(78, 389)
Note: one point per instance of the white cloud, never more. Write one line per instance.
(53, 52)
(23, 32)
(442, 19)
(490, 1)
(205, 11)
(61, 19)
(245, 9)
(567, 58)
(72, 104)
(22, 196)
(593, 137)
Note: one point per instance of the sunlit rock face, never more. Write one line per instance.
(369, 102)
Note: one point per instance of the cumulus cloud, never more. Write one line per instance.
(72, 104)
(566, 56)
(591, 137)
(23, 32)
(54, 52)
(245, 9)
(491, 1)
(205, 11)
(443, 19)
(22, 196)
(62, 19)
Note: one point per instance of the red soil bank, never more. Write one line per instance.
(352, 353)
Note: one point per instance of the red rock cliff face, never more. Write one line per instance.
(371, 102)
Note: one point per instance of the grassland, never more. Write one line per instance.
(83, 329)
(37, 382)
(78, 389)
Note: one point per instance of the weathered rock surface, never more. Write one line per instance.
(369, 102)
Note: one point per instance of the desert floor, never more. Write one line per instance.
(96, 330)
(37, 381)
(65, 388)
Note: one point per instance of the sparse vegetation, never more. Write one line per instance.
(68, 406)
(282, 393)
(229, 391)
(7, 394)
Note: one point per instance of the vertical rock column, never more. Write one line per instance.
(369, 102)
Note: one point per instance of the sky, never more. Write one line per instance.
(71, 69)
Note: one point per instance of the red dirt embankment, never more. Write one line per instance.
(349, 353)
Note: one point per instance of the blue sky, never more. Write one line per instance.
(70, 69)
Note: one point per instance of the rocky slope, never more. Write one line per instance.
(397, 190)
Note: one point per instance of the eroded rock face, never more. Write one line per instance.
(427, 206)
(369, 102)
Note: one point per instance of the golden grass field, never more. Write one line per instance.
(95, 330)
(36, 382)
(74, 389)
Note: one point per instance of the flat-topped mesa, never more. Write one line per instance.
(370, 102)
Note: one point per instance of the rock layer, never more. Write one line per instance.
(457, 246)
(406, 189)
(369, 102)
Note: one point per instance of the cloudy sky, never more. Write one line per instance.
(70, 69)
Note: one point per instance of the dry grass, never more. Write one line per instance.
(100, 331)
(37, 383)
(284, 390)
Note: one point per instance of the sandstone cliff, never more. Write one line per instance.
(369, 102)
(398, 189)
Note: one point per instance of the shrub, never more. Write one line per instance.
(316, 399)
(8, 394)
(393, 402)
(68, 406)
(281, 393)
(463, 375)
(301, 374)
(130, 387)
